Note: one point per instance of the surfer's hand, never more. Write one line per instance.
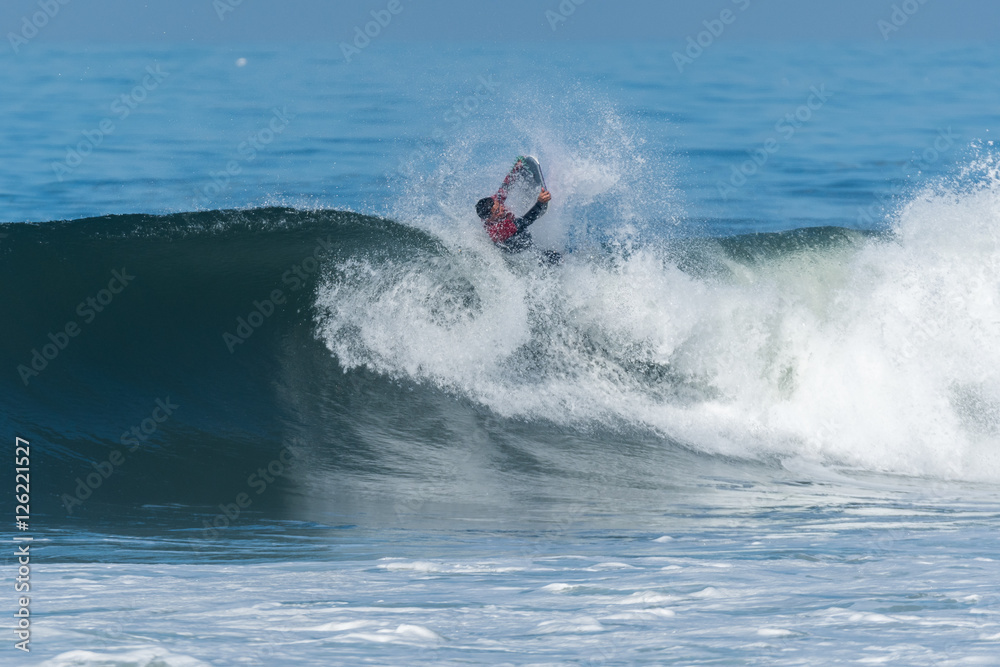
(544, 196)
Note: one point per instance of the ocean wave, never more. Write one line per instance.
(238, 335)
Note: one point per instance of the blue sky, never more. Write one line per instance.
(335, 20)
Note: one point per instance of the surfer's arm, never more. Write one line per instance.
(537, 211)
(501, 195)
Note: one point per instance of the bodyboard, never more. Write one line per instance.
(521, 187)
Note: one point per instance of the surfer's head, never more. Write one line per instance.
(484, 207)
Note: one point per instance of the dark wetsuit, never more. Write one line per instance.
(511, 234)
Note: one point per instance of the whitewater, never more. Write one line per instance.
(813, 343)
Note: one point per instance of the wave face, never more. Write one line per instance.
(205, 344)
(185, 369)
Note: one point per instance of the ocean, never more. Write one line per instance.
(281, 402)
